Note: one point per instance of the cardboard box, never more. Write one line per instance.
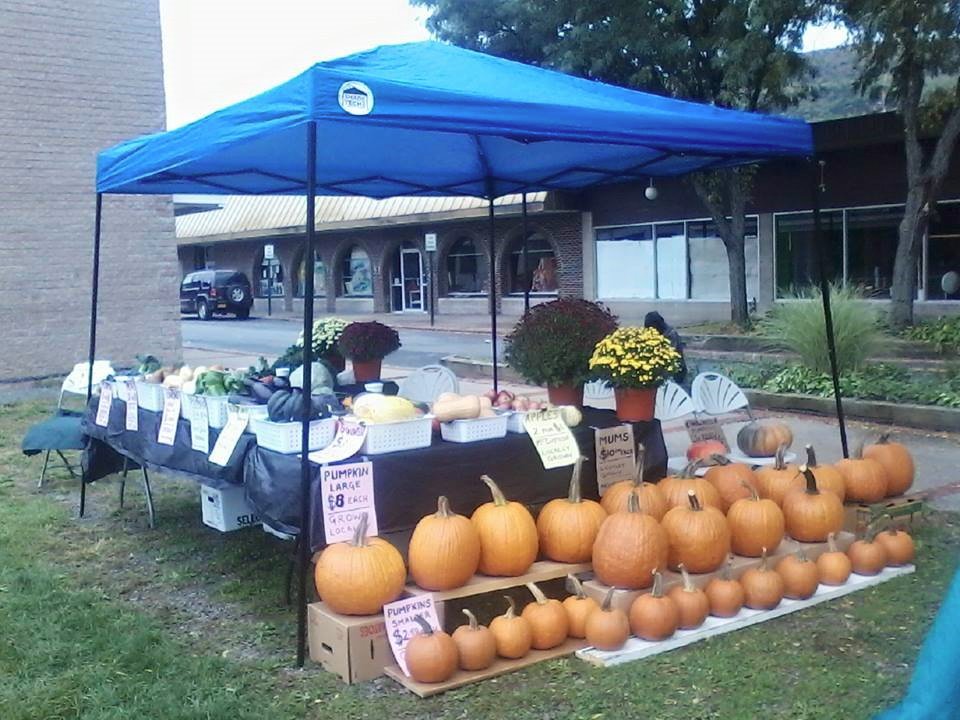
(354, 647)
(226, 509)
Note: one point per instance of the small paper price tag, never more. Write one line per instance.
(103, 407)
(552, 438)
(347, 495)
(171, 414)
(401, 626)
(228, 439)
(132, 417)
(615, 455)
(346, 443)
(707, 429)
(199, 423)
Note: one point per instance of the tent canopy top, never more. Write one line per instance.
(432, 119)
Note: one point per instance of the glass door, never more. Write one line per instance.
(411, 271)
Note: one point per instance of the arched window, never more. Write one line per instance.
(356, 273)
(466, 267)
(319, 276)
(541, 267)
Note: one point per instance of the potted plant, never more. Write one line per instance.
(326, 334)
(635, 361)
(366, 344)
(552, 344)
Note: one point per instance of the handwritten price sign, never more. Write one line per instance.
(552, 438)
(346, 443)
(401, 627)
(615, 455)
(347, 495)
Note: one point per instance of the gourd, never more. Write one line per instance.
(607, 627)
(755, 523)
(810, 515)
(450, 407)
(761, 438)
(676, 487)
(775, 481)
(827, 476)
(578, 608)
(867, 556)
(834, 565)
(724, 593)
(359, 576)
(897, 462)
(650, 497)
(864, 478)
(691, 601)
(654, 616)
(629, 546)
(897, 543)
(800, 575)
(511, 632)
(431, 656)
(567, 527)
(444, 549)
(699, 536)
(377, 408)
(762, 587)
(508, 535)
(731, 480)
(548, 620)
(476, 645)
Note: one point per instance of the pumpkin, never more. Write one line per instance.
(476, 645)
(444, 549)
(653, 615)
(548, 620)
(775, 481)
(809, 514)
(704, 449)
(800, 575)
(431, 656)
(511, 632)
(834, 565)
(867, 556)
(629, 546)
(676, 487)
(699, 536)
(607, 627)
(691, 601)
(578, 607)
(827, 476)
(508, 535)
(864, 478)
(568, 526)
(732, 480)
(762, 587)
(650, 497)
(359, 576)
(897, 543)
(761, 438)
(724, 593)
(755, 523)
(897, 462)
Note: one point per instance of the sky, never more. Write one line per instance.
(217, 52)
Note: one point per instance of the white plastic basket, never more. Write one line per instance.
(254, 412)
(466, 431)
(150, 396)
(515, 420)
(286, 437)
(396, 436)
(216, 410)
(185, 405)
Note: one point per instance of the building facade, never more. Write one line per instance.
(74, 79)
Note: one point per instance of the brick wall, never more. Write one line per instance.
(76, 78)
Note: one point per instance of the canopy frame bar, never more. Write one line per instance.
(91, 355)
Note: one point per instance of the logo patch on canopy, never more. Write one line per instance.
(355, 98)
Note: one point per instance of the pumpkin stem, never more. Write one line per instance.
(573, 494)
(726, 572)
(424, 625)
(778, 463)
(575, 587)
(633, 502)
(753, 491)
(537, 593)
(802, 555)
(883, 439)
(690, 469)
(607, 600)
(891, 528)
(498, 498)
(511, 607)
(688, 585)
(443, 507)
(360, 532)
(719, 460)
(858, 451)
(694, 501)
(639, 467)
(657, 590)
(471, 617)
(870, 531)
(811, 457)
(811, 480)
(763, 559)
(832, 542)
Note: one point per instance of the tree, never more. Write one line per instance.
(741, 54)
(905, 42)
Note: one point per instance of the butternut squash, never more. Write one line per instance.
(464, 407)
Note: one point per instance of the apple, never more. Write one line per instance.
(704, 449)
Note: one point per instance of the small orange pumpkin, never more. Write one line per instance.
(444, 549)
(834, 565)
(608, 627)
(649, 496)
(810, 515)
(724, 593)
(676, 487)
(698, 534)
(476, 644)
(867, 556)
(654, 616)
(897, 462)
(730, 479)
(775, 481)
(897, 543)
(578, 607)
(827, 476)
(629, 546)
(800, 575)
(864, 478)
(762, 587)
(508, 535)
(567, 527)
(755, 523)
(691, 601)
(548, 620)
(761, 438)
(432, 656)
(511, 632)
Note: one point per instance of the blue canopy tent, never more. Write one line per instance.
(432, 119)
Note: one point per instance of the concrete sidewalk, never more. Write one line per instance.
(479, 324)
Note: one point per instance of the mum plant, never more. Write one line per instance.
(634, 357)
(326, 333)
(366, 341)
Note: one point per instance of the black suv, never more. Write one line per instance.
(209, 292)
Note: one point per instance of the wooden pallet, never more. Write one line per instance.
(480, 584)
(906, 506)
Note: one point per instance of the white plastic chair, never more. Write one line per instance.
(716, 394)
(673, 403)
(427, 383)
(596, 391)
(76, 381)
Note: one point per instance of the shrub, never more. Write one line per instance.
(944, 334)
(798, 326)
(366, 341)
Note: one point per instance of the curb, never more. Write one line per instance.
(398, 326)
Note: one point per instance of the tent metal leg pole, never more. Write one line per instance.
(819, 243)
(303, 546)
(493, 291)
(94, 292)
(151, 515)
(527, 274)
(43, 470)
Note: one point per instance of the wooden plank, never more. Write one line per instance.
(500, 667)
(480, 584)
(636, 649)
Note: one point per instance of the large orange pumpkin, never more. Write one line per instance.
(730, 479)
(359, 576)
(698, 534)
(608, 627)
(548, 620)
(444, 549)
(897, 462)
(775, 481)
(508, 535)
(568, 526)
(476, 644)
(724, 592)
(692, 602)
(810, 515)
(650, 497)
(578, 607)
(653, 615)
(431, 656)
(827, 476)
(676, 487)
(761, 438)
(511, 632)
(755, 523)
(864, 478)
(628, 548)
(762, 587)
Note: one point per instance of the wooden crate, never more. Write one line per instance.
(857, 515)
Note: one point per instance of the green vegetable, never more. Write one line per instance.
(148, 364)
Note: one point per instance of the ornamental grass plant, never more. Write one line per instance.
(634, 357)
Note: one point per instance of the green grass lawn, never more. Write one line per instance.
(103, 618)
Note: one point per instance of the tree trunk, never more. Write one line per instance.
(903, 290)
(737, 263)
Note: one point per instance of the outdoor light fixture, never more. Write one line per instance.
(651, 192)
(823, 179)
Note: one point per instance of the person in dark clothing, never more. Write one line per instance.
(655, 320)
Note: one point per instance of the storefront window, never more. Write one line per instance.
(356, 274)
(709, 270)
(671, 261)
(625, 262)
(542, 267)
(943, 253)
(796, 256)
(319, 277)
(466, 267)
(871, 247)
